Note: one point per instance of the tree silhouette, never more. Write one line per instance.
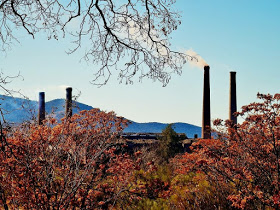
(136, 31)
(169, 143)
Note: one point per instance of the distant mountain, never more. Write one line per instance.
(57, 107)
(18, 110)
(155, 127)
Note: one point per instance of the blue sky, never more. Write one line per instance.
(240, 35)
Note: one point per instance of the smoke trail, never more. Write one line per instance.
(195, 59)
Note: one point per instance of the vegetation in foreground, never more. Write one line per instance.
(76, 164)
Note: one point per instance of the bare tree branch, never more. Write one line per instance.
(131, 37)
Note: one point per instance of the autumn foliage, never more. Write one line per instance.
(243, 162)
(81, 163)
(73, 163)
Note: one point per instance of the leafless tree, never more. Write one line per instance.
(131, 36)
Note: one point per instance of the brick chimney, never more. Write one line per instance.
(232, 97)
(42, 109)
(68, 103)
(206, 113)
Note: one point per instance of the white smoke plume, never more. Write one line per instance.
(195, 59)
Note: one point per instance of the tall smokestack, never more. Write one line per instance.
(41, 112)
(232, 97)
(206, 114)
(68, 104)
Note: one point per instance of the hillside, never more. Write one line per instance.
(156, 127)
(18, 110)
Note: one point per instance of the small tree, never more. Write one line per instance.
(169, 143)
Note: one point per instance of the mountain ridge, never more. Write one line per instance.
(18, 110)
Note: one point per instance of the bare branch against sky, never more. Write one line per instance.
(136, 32)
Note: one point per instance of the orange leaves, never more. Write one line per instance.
(137, 153)
(101, 203)
(60, 164)
(79, 163)
(276, 199)
(246, 156)
(201, 162)
(9, 160)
